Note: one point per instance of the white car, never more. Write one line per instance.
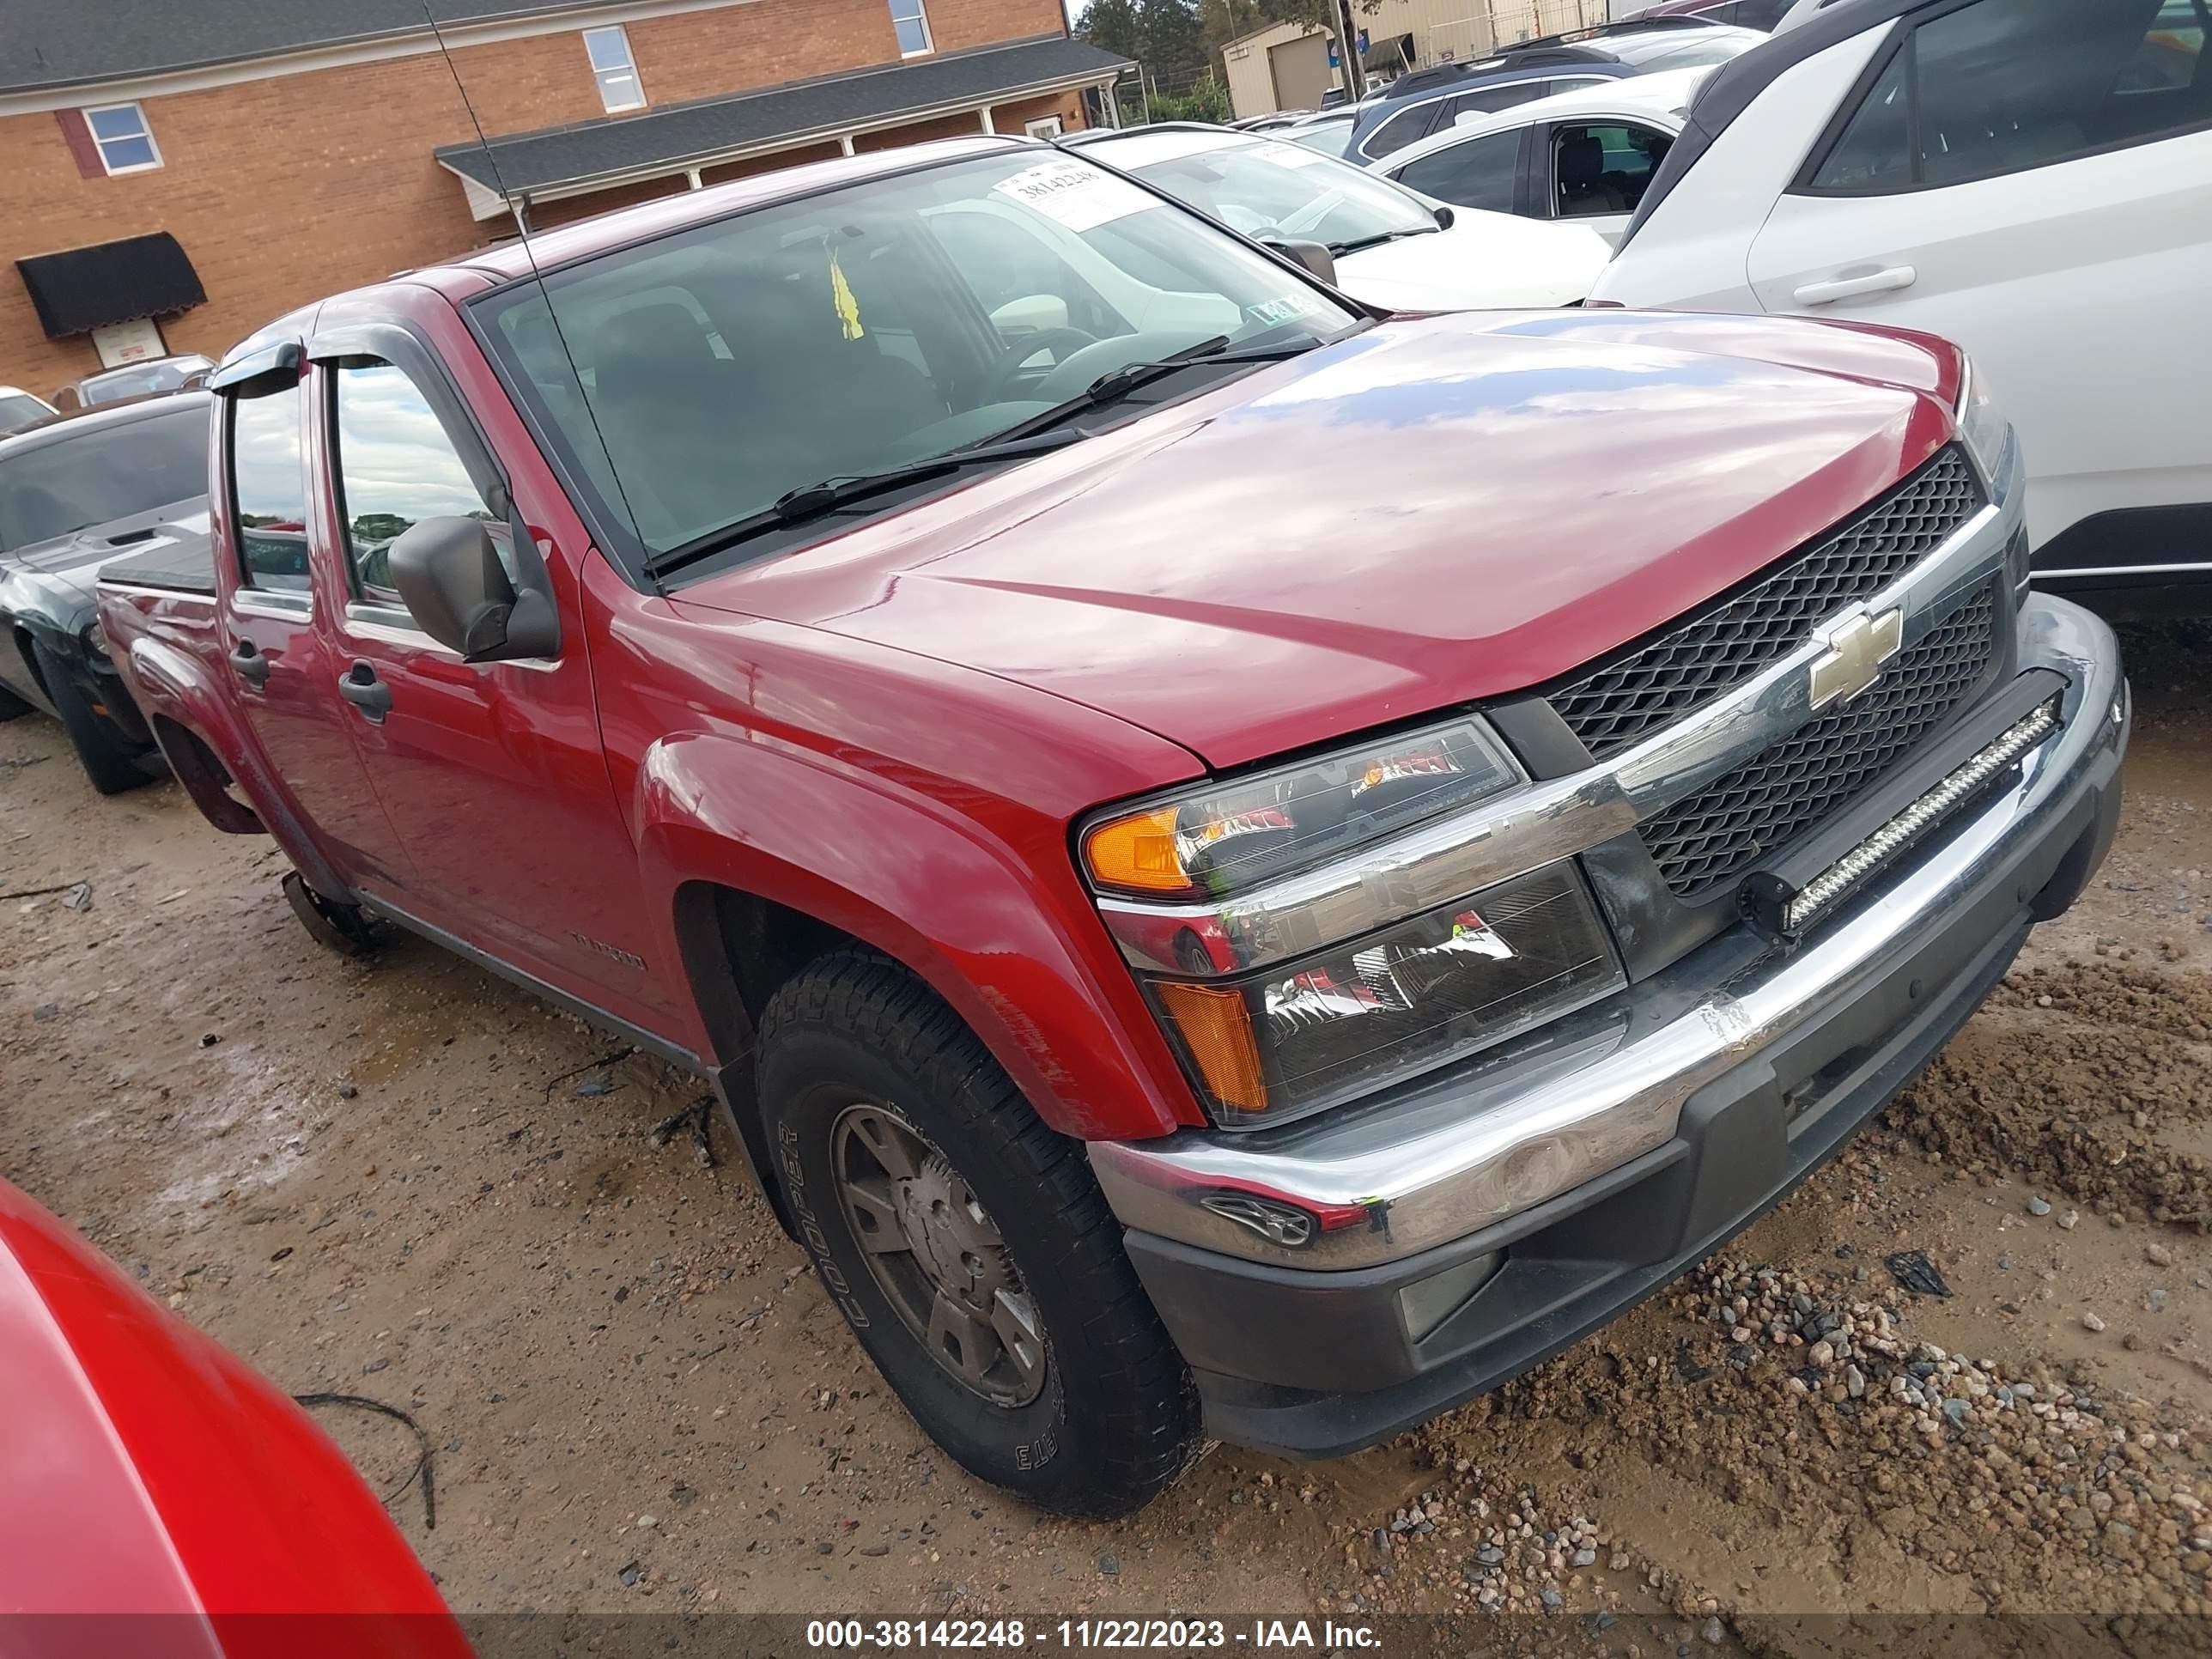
(20, 409)
(1393, 248)
(1585, 156)
(2032, 178)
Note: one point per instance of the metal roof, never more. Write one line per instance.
(707, 129)
(59, 43)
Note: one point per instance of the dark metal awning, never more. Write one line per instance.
(88, 287)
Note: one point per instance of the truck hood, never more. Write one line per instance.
(1429, 513)
(69, 564)
(1484, 261)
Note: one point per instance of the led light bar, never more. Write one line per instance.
(1789, 914)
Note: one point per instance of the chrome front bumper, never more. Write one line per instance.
(1460, 1152)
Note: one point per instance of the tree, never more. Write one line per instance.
(1174, 39)
(1114, 25)
(1168, 36)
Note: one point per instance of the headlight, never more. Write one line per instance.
(1981, 426)
(1300, 1036)
(1328, 1005)
(95, 646)
(1231, 837)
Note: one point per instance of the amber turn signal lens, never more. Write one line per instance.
(1216, 1027)
(1137, 851)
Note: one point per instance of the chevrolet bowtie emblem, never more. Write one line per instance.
(1858, 645)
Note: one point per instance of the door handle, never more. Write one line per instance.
(1850, 288)
(360, 686)
(251, 665)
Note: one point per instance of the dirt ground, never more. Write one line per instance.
(401, 1178)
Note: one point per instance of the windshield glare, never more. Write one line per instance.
(1283, 189)
(111, 472)
(716, 369)
(1331, 137)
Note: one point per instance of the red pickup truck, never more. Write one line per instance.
(1242, 868)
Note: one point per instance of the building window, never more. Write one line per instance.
(913, 25)
(125, 142)
(1046, 128)
(614, 68)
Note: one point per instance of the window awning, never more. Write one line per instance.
(88, 287)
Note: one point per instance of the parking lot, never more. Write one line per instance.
(401, 1179)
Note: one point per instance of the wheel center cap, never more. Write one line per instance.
(957, 1249)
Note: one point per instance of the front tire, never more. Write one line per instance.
(968, 1245)
(112, 767)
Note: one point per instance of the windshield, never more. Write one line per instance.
(718, 369)
(1280, 189)
(19, 409)
(1331, 137)
(96, 477)
(164, 375)
(1672, 51)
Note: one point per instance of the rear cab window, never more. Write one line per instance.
(269, 493)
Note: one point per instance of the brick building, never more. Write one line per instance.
(174, 175)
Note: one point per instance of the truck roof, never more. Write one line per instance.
(605, 231)
(460, 277)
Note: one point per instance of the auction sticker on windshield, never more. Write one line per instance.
(1291, 156)
(1288, 309)
(1076, 196)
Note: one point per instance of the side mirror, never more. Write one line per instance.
(450, 578)
(1314, 256)
(1445, 218)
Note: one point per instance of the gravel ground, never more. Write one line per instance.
(401, 1178)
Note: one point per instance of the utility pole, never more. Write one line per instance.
(1347, 49)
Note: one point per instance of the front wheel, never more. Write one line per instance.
(112, 765)
(967, 1246)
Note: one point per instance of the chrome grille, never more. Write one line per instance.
(1699, 659)
(1760, 807)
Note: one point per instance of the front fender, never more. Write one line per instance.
(995, 928)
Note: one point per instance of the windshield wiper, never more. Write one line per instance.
(1024, 438)
(1118, 383)
(815, 500)
(1338, 250)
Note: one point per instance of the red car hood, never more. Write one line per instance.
(1434, 511)
(143, 1470)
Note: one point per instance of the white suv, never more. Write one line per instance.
(2032, 178)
